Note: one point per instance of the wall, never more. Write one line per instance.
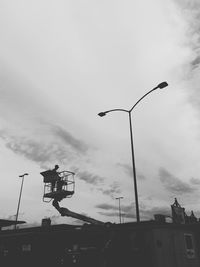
(175, 248)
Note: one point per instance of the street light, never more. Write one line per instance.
(102, 114)
(20, 194)
(119, 198)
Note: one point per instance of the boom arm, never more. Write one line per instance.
(69, 213)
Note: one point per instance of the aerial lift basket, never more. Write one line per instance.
(58, 185)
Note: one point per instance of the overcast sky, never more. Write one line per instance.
(61, 63)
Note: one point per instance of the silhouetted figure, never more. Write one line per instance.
(53, 182)
(60, 184)
(55, 168)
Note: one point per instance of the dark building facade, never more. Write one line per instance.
(148, 244)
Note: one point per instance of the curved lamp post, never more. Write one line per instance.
(20, 194)
(101, 114)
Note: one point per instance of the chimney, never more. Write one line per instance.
(46, 222)
(160, 218)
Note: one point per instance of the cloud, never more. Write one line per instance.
(113, 210)
(150, 212)
(68, 139)
(174, 184)
(32, 224)
(190, 12)
(90, 178)
(195, 181)
(129, 171)
(35, 150)
(43, 145)
(108, 189)
(106, 206)
(128, 211)
(11, 217)
(112, 191)
(196, 62)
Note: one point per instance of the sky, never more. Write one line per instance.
(63, 62)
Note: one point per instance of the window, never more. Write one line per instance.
(26, 247)
(189, 244)
(3, 250)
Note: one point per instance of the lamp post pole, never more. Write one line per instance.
(101, 114)
(134, 171)
(119, 198)
(20, 194)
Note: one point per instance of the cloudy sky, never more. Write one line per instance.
(61, 63)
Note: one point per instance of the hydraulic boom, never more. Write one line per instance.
(69, 213)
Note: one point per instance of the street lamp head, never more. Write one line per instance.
(119, 197)
(162, 85)
(101, 114)
(23, 174)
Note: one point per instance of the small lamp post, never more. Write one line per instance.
(119, 198)
(20, 194)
